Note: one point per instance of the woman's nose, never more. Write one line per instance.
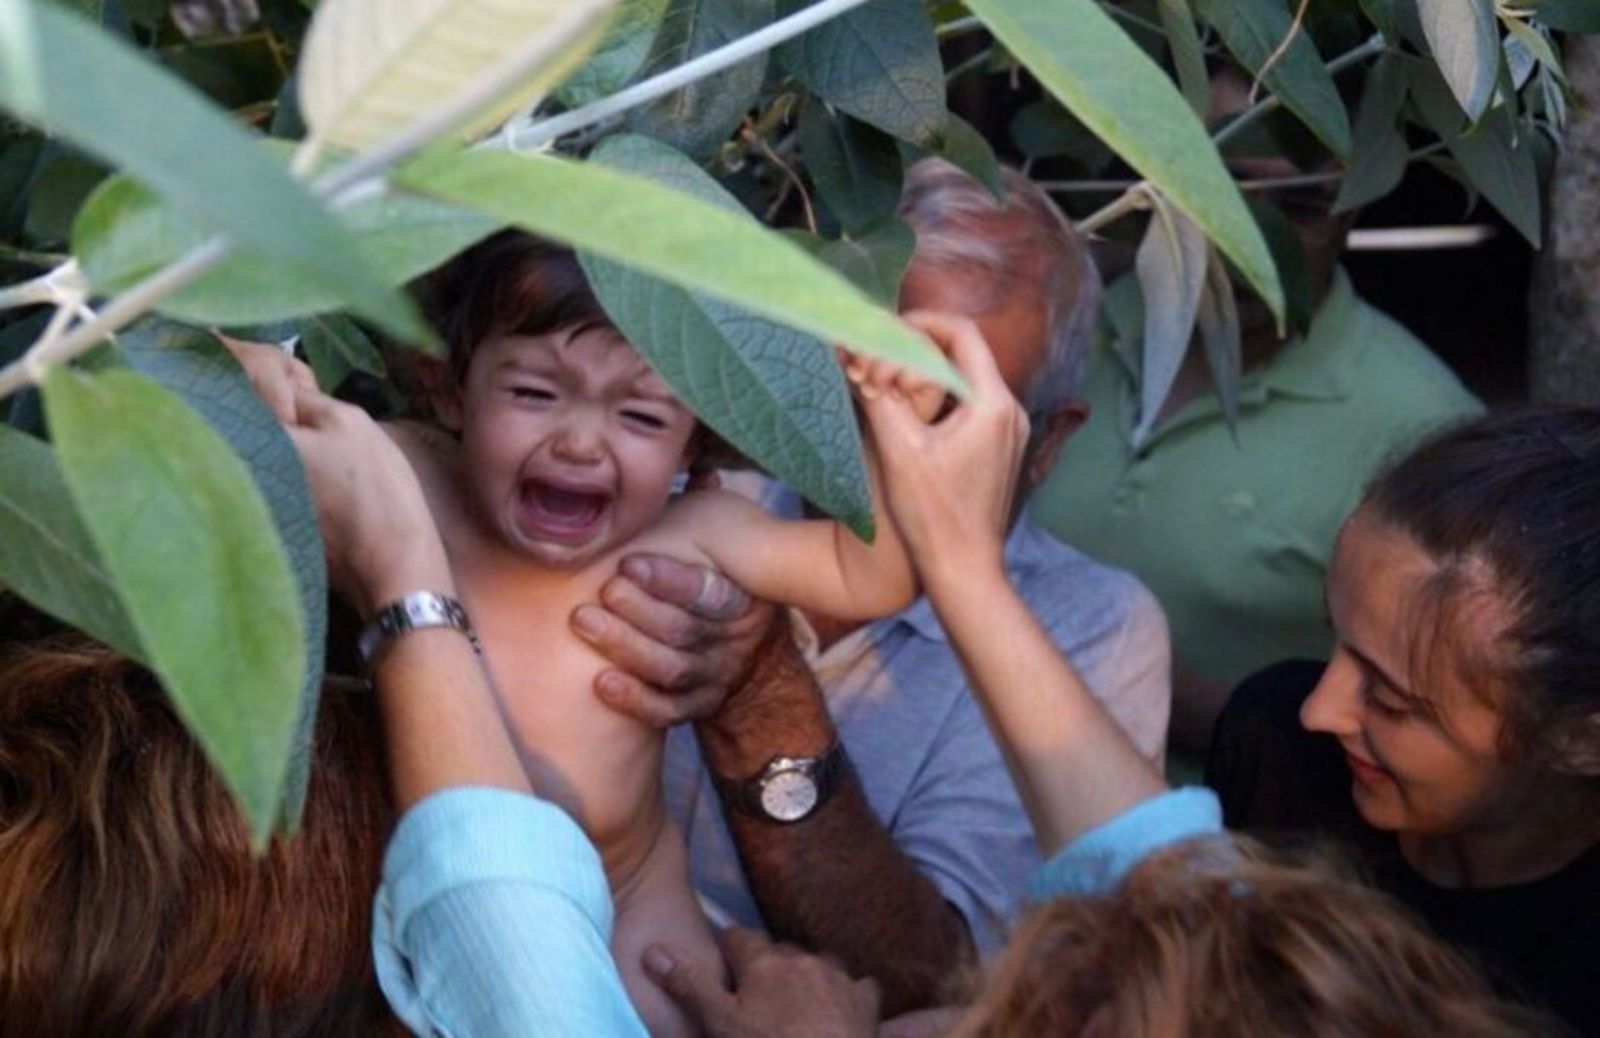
(1334, 706)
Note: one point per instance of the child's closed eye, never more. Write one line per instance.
(538, 393)
(645, 419)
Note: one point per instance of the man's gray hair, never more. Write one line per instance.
(959, 223)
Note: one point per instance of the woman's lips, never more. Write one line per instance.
(1365, 771)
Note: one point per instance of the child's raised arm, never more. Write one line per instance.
(818, 564)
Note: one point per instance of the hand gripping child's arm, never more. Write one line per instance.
(819, 565)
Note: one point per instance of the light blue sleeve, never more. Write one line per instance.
(1099, 859)
(494, 919)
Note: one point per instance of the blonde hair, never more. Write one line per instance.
(1200, 944)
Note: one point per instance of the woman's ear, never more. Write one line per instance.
(1575, 747)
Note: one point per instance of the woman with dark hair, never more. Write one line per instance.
(1454, 737)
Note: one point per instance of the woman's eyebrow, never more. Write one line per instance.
(1370, 663)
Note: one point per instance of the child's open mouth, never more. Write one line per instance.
(562, 512)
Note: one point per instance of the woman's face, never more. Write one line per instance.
(1420, 733)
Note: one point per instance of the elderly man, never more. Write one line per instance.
(874, 818)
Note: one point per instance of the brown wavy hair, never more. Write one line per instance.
(130, 903)
(1215, 939)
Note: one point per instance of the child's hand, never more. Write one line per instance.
(874, 378)
(950, 484)
(276, 375)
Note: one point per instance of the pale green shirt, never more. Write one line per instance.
(1234, 535)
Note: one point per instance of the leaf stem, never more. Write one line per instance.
(53, 286)
(1371, 48)
(1132, 200)
(546, 130)
(971, 23)
(360, 177)
(1121, 206)
(976, 61)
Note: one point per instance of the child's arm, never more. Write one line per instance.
(820, 565)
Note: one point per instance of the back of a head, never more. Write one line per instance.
(1018, 243)
(130, 903)
(1509, 505)
(1204, 942)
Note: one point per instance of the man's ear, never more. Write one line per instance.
(1058, 428)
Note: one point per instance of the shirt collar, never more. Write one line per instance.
(1316, 366)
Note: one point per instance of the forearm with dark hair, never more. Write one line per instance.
(835, 883)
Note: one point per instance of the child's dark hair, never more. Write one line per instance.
(510, 282)
(1509, 505)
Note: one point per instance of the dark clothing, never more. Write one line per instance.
(1539, 941)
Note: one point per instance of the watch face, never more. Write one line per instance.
(788, 796)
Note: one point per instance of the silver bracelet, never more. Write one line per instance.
(416, 611)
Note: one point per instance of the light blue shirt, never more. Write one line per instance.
(919, 744)
(494, 917)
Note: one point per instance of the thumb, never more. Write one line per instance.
(697, 992)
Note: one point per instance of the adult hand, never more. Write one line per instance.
(778, 990)
(950, 483)
(380, 536)
(682, 637)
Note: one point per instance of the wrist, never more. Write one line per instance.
(778, 711)
(419, 564)
(945, 573)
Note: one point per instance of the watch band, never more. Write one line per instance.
(825, 773)
(415, 611)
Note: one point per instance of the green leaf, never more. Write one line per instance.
(1570, 15)
(961, 145)
(1254, 30)
(190, 546)
(335, 346)
(874, 260)
(1045, 130)
(1465, 41)
(125, 233)
(372, 69)
(879, 63)
(58, 194)
(1494, 158)
(855, 168)
(1382, 15)
(1220, 335)
(672, 235)
(1171, 265)
(775, 394)
(699, 117)
(201, 371)
(1378, 161)
(1538, 48)
(619, 55)
(77, 82)
(45, 552)
(1188, 56)
(1091, 66)
(1289, 253)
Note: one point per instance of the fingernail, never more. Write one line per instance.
(868, 392)
(610, 684)
(658, 962)
(637, 570)
(589, 621)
